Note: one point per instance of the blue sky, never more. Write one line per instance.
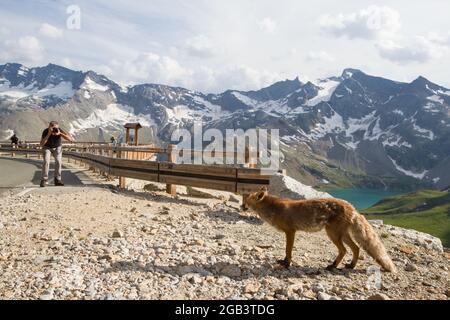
(213, 45)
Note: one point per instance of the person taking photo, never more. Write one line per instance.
(52, 145)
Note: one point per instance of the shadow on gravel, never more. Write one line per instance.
(230, 270)
(232, 216)
(153, 196)
(227, 214)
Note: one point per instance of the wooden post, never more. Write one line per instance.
(122, 182)
(136, 136)
(89, 165)
(246, 156)
(96, 170)
(110, 155)
(127, 135)
(170, 188)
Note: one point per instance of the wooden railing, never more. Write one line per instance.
(133, 162)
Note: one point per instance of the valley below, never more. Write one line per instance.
(362, 198)
(424, 210)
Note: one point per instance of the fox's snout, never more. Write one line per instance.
(244, 207)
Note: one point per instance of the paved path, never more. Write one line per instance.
(20, 174)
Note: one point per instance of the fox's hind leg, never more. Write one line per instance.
(355, 250)
(337, 240)
(290, 237)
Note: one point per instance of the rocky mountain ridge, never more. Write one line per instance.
(350, 123)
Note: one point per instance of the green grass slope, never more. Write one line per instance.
(425, 210)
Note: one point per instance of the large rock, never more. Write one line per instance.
(286, 187)
(416, 237)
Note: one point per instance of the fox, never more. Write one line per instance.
(342, 223)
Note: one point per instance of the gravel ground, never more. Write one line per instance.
(99, 243)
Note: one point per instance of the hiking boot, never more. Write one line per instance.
(43, 183)
(58, 183)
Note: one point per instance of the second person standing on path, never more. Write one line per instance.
(52, 145)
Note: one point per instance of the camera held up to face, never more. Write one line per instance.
(54, 129)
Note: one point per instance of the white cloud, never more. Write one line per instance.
(149, 67)
(420, 50)
(443, 40)
(268, 25)
(50, 31)
(321, 56)
(372, 22)
(67, 62)
(4, 31)
(199, 46)
(244, 77)
(153, 68)
(26, 49)
(217, 44)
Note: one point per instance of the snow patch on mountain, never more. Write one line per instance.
(298, 110)
(290, 138)
(12, 93)
(92, 85)
(376, 131)
(347, 74)
(353, 125)
(179, 114)
(396, 141)
(335, 123)
(436, 98)
(206, 111)
(115, 115)
(86, 94)
(326, 90)
(212, 110)
(22, 71)
(62, 90)
(447, 93)
(276, 108)
(416, 175)
(431, 107)
(428, 134)
(244, 99)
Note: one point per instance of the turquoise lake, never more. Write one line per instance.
(362, 198)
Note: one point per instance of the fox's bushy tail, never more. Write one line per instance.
(367, 238)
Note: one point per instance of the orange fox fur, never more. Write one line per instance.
(341, 221)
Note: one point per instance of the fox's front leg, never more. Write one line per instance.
(290, 237)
